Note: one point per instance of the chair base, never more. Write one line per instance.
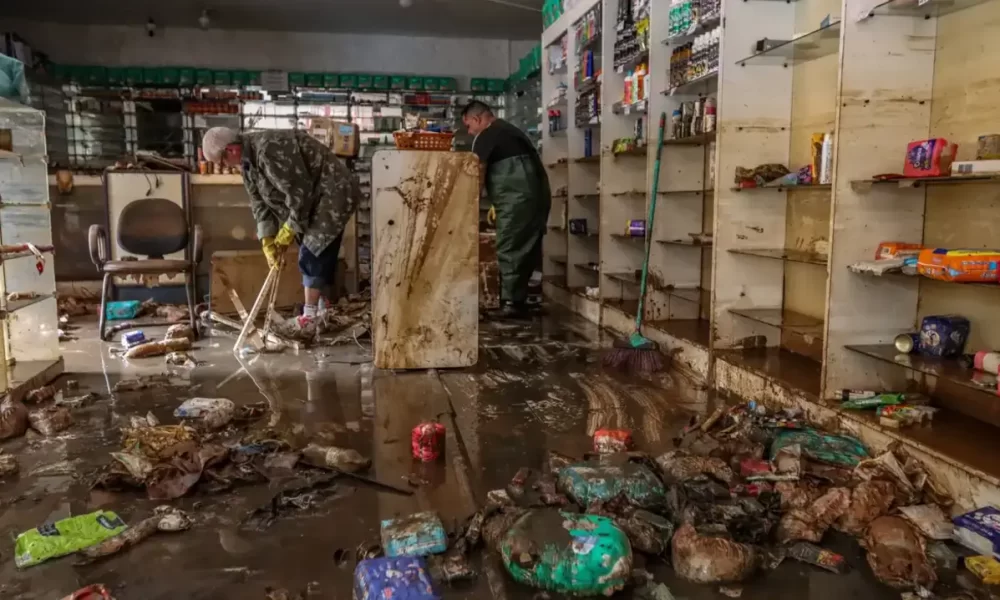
(108, 292)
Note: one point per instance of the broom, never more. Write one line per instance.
(637, 353)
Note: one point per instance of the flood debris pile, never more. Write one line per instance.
(743, 491)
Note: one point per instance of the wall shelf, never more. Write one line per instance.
(689, 243)
(787, 320)
(810, 46)
(800, 256)
(943, 368)
(933, 8)
(784, 188)
(588, 159)
(587, 267)
(694, 140)
(916, 182)
(688, 86)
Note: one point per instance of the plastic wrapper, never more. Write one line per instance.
(331, 457)
(609, 441)
(128, 538)
(930, 520)
(156, 442)
(887, 466)
(979, 530)
(797, 494)
(896, 554)
(839, 450)
(403, 577)
(50, 420)
(811, 523)
(986, 568)
(158, 348)
(8, 464)
(181, 359)
(450, 568)
(37, 395)
(580, 555)
(210, 413)
(91, 592)
(869, 500)
(179, 331)
(704, 559)
(677, 467)
(65, 537)
(556, 461)
(13, 419)
(649, 533)
(598, 481)
(427, 441)
(820, 557)
(418, 534)
(877, 267)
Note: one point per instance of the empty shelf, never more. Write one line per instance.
(16, 305)
(559, 260)
(785, 254)
(784, 188)
(810, 46)
(934, 8)
(943, 368)
(697, 331)
(629, 307)
(588, 267)
(787, 320)
(915, 182)
(783, 366)
(629, 278)
(694, 140)
(689, 242)
(688, 86)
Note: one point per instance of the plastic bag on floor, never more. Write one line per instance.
(418, 534)
(211, 413)
(13, 419)
(797, 494)
(568, 553)
(811, 523)
(677, 466)
(600, 481)
(65, 537)
(897, 555)
(649, 533)
(50, 420)
(839, 450)
(179, 331)
(869, 500)
(930, 520)
(8, 464)
(704, 559)
(91, 592)
(403, 577)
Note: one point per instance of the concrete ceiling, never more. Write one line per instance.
(451, 18)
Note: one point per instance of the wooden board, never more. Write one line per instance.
(245, 271)
(425, 259)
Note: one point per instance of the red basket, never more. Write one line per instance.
(423, 140)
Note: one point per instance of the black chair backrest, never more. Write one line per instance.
(152, 227)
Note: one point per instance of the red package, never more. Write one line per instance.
(427, 441)
(896, 249)
(929, 158)
(754, 466)
(609, 441)
(750, 489)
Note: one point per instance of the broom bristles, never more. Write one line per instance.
(634, 360)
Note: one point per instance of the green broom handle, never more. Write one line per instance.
(649, 220)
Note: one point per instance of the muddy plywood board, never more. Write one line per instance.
(245, 271)
(885, 104)
(964, 107)
(425, 259)
(489, 272)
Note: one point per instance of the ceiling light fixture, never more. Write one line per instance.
(205, 20)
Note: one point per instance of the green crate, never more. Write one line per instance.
(397, 82)
(133, 75)
(203, 77)
(253, 78)
(494, 85)
(223, 78)
(152, 76)
(431, 84)
(447, 84)
(116, 76)
(331, 80)
(314, 80)
(415, 83)
(171, 76)
(296, 80)
(185, 77)
(366, 81)
(241, 78)
(478, 84)
(380, 82)
(348, 81)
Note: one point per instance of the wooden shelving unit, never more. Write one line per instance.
(768, 309)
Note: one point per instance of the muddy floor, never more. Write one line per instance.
(538, 386)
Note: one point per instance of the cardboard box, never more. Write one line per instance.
(960, 168)
(342, 137)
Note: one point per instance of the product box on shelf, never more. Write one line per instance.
(380, 82)
(365, 81)
(397, 82)
(432, 84)
(296, 80)
(478, 84)
(348, 81)
(186, 77)
(223, 78)
(961, 168)
(414, 82)
(331, 80)
(314, 80)
(929, 158)
(448, 84)
(960, 265)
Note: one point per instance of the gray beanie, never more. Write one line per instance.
(215, 141)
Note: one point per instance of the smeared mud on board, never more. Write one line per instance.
(425, 260)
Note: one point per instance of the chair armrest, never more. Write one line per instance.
(197, 240)
(97, 240)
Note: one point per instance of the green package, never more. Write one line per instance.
(873, 402)
(64, 537)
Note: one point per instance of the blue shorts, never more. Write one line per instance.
(319, 272)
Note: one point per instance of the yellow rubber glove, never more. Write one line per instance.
(271, 251)
(491, 217)
(285, 236)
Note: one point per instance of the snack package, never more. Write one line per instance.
(943, 335)
(979, 266)
(929, 158)
(65, 537)
(896, 250)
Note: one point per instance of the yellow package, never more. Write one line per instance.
(986, 568)
(816, 155)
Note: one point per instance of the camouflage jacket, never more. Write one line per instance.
(291, 177)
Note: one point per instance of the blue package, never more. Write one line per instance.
(979, 530)
(604, 478)
(418, 534)
(400, 578)
(943, 335)
(122, 309)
